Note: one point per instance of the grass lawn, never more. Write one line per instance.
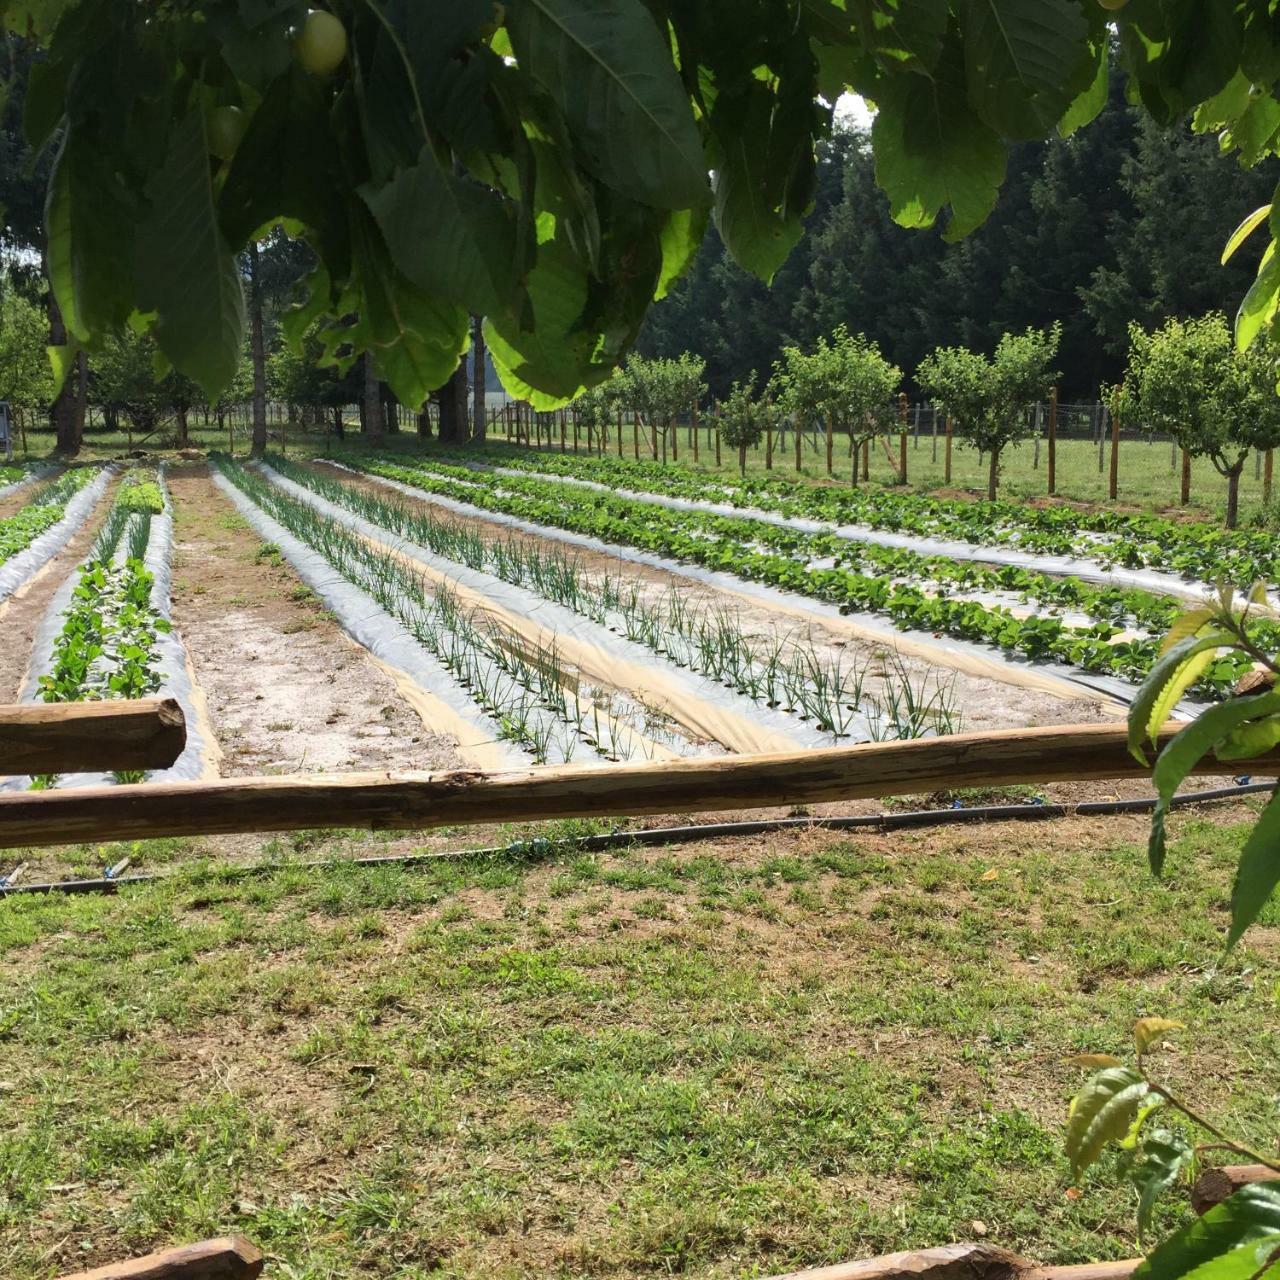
(723, 1059)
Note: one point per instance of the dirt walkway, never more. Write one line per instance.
(288, 691)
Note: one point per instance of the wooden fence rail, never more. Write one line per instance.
(408, 801)
(81, 737)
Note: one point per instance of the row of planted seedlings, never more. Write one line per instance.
(1200, 552)
(107, 646)
(916, 592)
(42, 511)
(538, 701)
(784, 671)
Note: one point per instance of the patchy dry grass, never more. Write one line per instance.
(724, 1059)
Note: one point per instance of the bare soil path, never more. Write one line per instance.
(288, 691)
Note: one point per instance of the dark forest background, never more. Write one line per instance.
(1122, 221)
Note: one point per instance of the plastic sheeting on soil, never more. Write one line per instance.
(700, 704)
(444, 706)
(968, 657)
(18, 569)
(200, 756)
(1165, 584)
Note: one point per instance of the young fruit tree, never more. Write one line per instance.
(660, 392)
(1189, 379)
(844, 385)
(989, 399)
(743, 419)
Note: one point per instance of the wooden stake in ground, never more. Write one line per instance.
(946, 465)
(902, 437)
(1185, 498)
(866, 459)
(831, 442)
(227, 1258)
(1053, 441)
(693, 428)
(1113, 487)
(1268, 463)
(799, 461)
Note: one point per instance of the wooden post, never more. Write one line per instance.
(693, 429)
(1113, 487)
(674, 429)
(831, 442)
(619, 433)
(1053, 441)
(799, 461)
(1268, 463)
(227, 1258)
(768, 443)
(404, 801)
(866, 459)
(717, 431)
(1186, 478)
(83, 737)
(635, 435)
(947, 453)
(563, 442)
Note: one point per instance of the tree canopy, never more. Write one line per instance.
(548, 164)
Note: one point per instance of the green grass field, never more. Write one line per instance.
(1147, 480)
(719, 1060)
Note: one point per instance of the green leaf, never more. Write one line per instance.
(1189, 746)
(1230, 1242)
(1258, 872)
(187, 274)
(1102, 1112)
(932, 151)
(1087, 105)
(747, 206)
(1168, 676)
(607, 65)
(682, 234)
(448, 235)
(1165, 1156)
(1021, 58)
(1259, 305)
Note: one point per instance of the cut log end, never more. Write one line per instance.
(226, 1258)
(1214, 1186)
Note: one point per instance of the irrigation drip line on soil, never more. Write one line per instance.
(657, 836)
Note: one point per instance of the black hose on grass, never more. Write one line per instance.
(681, 835)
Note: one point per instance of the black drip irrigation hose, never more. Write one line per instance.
(541, 847)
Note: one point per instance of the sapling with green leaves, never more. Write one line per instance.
(1241, 1236)
(844, 386)
(988, 399)
(1218, 401)
(742, 419)
(661, 391)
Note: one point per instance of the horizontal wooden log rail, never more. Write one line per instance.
(88, 737)
(467, 798)
(962, 1262)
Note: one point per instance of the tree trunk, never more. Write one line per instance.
(390, 409)
(856, 449)
(993, 475)
(372, 401)
(82, 396)
(452, 398)
(181, 414)
(337, 422)
(424, 423)
(1233, 494)
(742, 458)
(479, 413)
(62, 413)
(258, 356)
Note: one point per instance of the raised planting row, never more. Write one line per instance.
(785, 671)
(107, 647)
(781, 558)
(1200, 552)
(45, 509)
(10, 474)
(535, 698)
(1119, 608)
